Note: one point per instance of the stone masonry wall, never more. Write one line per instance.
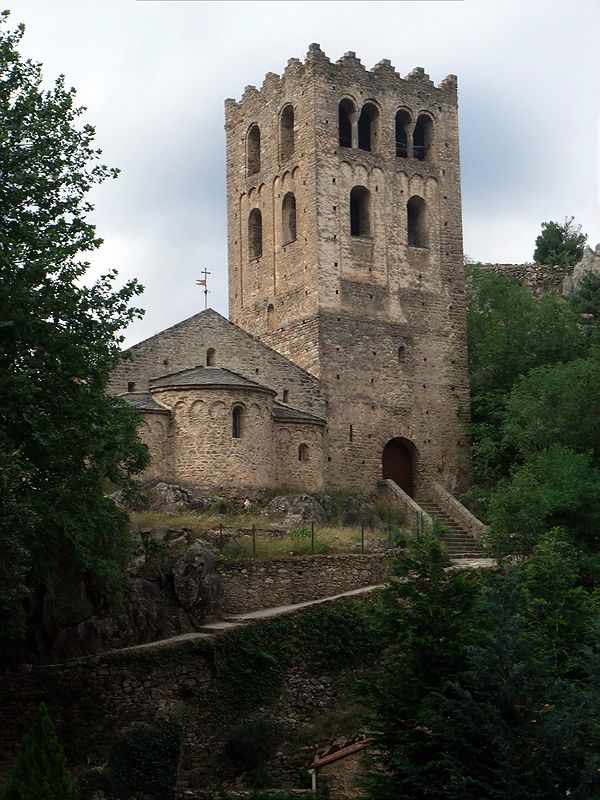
(203, 450)
(381, 322)
(185, 345)
(155, 432)
(249, 585)
(539, 279)
(308, 474)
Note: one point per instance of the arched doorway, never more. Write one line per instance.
(397, 464)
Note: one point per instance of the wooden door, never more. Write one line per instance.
(397, 465)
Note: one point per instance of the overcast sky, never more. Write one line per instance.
(154, 74)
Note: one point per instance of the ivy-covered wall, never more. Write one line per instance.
(190, 707)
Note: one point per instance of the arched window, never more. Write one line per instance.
(255, 234)
(253, 150)
(416, 222)
(237, 413)
(271, 321)
(288, 218)
(423, 137)
(345, 111)
(402, 120)
(303, 452)
(368, 124)
(360, 211)
(211, 356)
(286, 132)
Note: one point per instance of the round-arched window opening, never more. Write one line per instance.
(271, 318)
(255, 234)
(403, 120)
(346, 110)
(211, 357)
(416, 222)
(253, 150)
(360, 211)
(286, 132)
(423, 138)
(237, 419)
(288, 218)
(303, 452)
(368, 128)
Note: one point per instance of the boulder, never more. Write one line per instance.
(295, 510)
(168, 497)
(198, 587)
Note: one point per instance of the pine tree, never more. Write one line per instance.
(40, 771)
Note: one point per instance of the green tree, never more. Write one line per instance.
(557, 404)
(512, 710)
(556, 488)
(61, 436)
(39, 771)
(559, 244)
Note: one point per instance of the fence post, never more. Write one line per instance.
(362, 537)
(254, 541)
(312, 536)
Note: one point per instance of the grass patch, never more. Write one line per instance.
(327, 540)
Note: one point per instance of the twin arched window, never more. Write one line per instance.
(363, 130)
(286, 140)
(358, 130)
(361, 217)
(288, 226)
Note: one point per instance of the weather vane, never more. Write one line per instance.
(202, 282)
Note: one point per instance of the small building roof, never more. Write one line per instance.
(207, 377)
(144, 402)
(283, 413)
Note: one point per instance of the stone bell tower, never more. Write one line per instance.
(345, 255)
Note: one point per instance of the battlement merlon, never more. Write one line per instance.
(347, 69)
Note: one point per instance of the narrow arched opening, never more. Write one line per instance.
(303, 452)
(237, 418)
(423, 138)
(211, 357)
(286, 132)
(346, 109)
(360, 211)
(403, 120)
(255, 234)
(288, 218)
(397, 464)
(253, 150)
(368, 124)
(416, 222)
(271, 319)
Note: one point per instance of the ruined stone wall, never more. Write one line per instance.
(185, 345)
(539, 279)
(203, 450)
(301, 470)
(252, 585)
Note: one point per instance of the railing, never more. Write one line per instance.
(416, 517)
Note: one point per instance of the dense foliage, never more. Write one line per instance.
(559, 244)
(535, 381)
(489, 688)
(61, 436)
(39, 771)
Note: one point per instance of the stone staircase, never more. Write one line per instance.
(458, 543)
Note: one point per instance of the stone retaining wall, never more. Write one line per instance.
(252, 585)
(539, 279)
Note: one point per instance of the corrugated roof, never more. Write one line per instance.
(205, 376)
(282, 412)
(145, 402)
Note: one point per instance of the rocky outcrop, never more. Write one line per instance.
(197, 586)
(294, 511)
(589, 264)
